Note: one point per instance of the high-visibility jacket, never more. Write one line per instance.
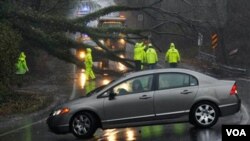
(88, 59)
(172, 55)
(139, 53)
(151, 56)
(21, 65)
(88, 65)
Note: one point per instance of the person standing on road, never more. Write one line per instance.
(151, 57)
(21, 65)
(172, 56)
(139, 56)
(21, 69)
(88, 65)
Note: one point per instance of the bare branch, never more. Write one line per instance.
(174, 34)
(110, 9)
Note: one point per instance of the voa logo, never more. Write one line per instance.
(236, 132)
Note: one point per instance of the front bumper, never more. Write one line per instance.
(58, 125)
(230, 109)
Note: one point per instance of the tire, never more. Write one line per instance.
(83, 125)
(204, 115)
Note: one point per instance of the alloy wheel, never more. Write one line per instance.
(81, 124)
(205, 114)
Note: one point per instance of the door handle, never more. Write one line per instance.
(144, 97)
(186, 92)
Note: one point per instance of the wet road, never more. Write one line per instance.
(37, 130)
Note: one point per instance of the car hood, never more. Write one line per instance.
(72, 103)
(79, 100)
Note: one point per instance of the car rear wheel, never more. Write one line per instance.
(204, 115)
(83, 125)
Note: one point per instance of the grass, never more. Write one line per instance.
(23, 103)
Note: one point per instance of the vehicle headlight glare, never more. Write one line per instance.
(61, 111)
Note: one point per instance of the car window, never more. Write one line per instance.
(193, 81)
(134, 85)
(174, 80)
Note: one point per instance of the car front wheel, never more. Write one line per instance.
(83, 125)
(204, 115)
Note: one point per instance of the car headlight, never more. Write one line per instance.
(61, 111)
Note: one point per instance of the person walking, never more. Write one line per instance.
(139, 56)
(172, 56)
(151, 57)
(88, 65)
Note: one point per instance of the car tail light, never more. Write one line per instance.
(233, 89)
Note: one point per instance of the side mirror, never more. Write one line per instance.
(112, 95)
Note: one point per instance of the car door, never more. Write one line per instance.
(133, 101)
(174, 95)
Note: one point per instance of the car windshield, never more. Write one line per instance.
(95, 90)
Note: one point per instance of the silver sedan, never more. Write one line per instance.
(146, 98)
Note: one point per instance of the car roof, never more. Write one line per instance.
(180, 70)
(201, 77)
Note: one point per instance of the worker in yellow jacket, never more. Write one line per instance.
(139, 56)
(21, 65)
(172, 56)
(88, 65)
(151, 57)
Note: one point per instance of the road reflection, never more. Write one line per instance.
(120, 66)
(148, 132)
(82, 78)
(160, 133)
(110, 134)
(204, 134)
(84, 86)
(130, 134)
(127, 134)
